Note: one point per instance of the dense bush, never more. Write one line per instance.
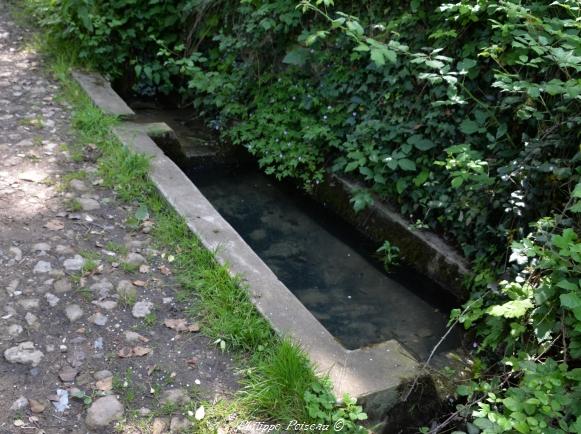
(466, 115)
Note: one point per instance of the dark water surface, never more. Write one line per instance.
(328, 265)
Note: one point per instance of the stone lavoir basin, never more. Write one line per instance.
(314, 277)
(327, 265)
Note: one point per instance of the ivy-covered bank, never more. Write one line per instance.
(466, 115)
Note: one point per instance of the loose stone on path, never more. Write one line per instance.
(24, 353)
(42, 267)
(73, 312)
(62, 285)
(88, 204)
(141, 309)
(74, 264)
(104, 411)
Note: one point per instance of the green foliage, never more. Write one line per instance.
(465, 115)
(323, 409)
(105, 31)
(535, 320)
(389, 255)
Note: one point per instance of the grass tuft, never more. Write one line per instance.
(277, 385)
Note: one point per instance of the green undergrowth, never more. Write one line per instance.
(279, 377)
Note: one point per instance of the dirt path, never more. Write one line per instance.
(83, 298)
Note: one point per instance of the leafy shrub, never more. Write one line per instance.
(116, 36)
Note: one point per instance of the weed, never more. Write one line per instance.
(74, 205)
(91, 255)
(150, 319)
(86, 293)
(118, 248)
(127, 299)
(129, 267)
(389, 255)
(124, 386)
(89, 266)
(35, 122)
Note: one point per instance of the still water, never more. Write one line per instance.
(328, 265)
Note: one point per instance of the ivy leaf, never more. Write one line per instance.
(407, 164)
(421, 142)
(436, 64)
(570, 301)
(355, 28)
(511, 309)
(577, 191)
(297, 57)
(566, 284)
(361, 200)
(457, 182)
(377, 56)
(421, 178)
(465, 65)
(401, 185)
(576, 208)
(468, 126)
(352, 166)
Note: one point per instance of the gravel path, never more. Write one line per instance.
(83, 298)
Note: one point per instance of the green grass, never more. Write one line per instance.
(89, 266)
(150, 319)
(279, 372)
(86, 293)
(128, 267)
(73, 205)
(278, 383)
(118, 248)
(90, 254)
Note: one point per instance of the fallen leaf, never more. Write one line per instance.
(159, 426)
(164, 270)
(54, 225)
(68, 374)
(180, 325)
(18, 422)
(192, 362)
(143, 339)
(141, 351)
(125, 352)
(36, 406)
(105, 384)
(151, 369)
(139, 283)
(143, 268)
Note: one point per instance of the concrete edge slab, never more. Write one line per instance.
(103, 95)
